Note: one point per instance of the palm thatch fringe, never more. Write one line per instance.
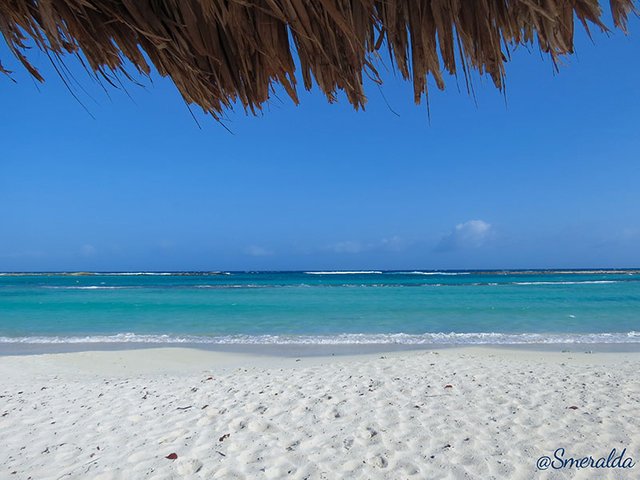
(218, 52)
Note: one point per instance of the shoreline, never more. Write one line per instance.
(181, 360)
(306, 350)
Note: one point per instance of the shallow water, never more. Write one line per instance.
(418, 307)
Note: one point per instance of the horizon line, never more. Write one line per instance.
(345, 271)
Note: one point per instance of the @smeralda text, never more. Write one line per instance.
(561, 460)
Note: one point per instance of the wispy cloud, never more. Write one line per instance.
(349, 246)
(471, 234)
(393, 243)
(258, 251)
(25, 254)
(88, 250)
(630, 233)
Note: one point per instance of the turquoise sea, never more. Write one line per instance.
(411, 307)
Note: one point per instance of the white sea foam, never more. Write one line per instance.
(452, 338)
(233, 285)
(566, 283)
(223, 286)
(87, 287)
(110, 274)
(589, 272)
(135, 274)
(431, 273)
(359, 272)
(156, 274)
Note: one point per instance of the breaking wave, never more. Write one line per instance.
(452, 338)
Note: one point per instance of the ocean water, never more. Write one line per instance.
(411, 307)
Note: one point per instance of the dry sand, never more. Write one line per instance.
(452, 413)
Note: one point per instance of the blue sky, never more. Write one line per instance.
(547, 175)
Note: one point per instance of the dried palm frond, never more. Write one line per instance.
(218, 52)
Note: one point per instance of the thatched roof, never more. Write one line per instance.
(220, 51)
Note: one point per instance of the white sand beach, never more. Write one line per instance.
(185, 413)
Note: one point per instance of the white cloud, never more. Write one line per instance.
(257, 251)
(88, 250)
(395, 243)
(471, 234)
